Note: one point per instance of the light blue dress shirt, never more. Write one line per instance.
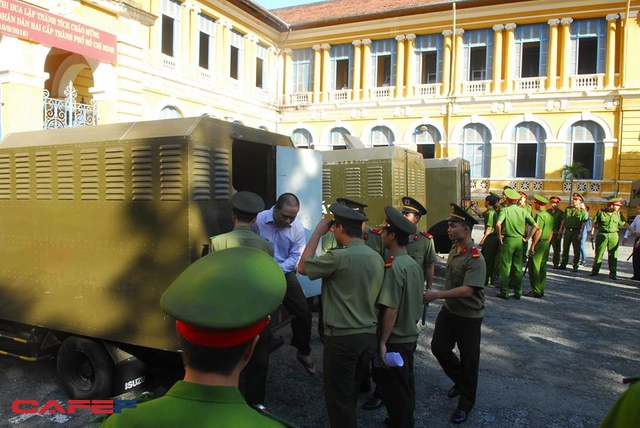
(288, 242)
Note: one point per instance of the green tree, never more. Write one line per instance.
(573, 172)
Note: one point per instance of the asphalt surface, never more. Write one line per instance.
(551, 362)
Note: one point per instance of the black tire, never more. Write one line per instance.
(85, 369)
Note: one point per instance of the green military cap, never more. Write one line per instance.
(615, 201)
(247, 202)
(506, 187)
(398, 221)
(354, 205)
(496, 195)
(346, 213)
(509, 193)
(459, 215)
(578, 196)
(223, 299)
(540, 199)
(410, 205)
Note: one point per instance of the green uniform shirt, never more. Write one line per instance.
(189, 404)
(514, 219)
(241, 236)
(545, 223)
(573, 218)
(466, 267)
(421, 249)
(557, 218)
(402, 289)
(609, 221)
(625, 412)
(351, 281)
(490, 219)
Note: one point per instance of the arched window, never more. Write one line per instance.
(170, 112)
(586, 146)
(425, 137)
(527, 152)
(336, 141)
(382, 136)
(475, 147)
(302, 138)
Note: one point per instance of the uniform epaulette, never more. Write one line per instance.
(388, 263)
(376, 231)
(475, 253)
(428, 235)
(463, 251)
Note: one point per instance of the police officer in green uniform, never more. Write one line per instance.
(461, 316)
(420, 246)
(625, 412)
(218, 322)
(372, 238)
(573, 221)
(352, 276)
(245, 206)
(511, 232)
(489, 242)
(400, 303)
(539, 252)
(556, 239)
(608, 222)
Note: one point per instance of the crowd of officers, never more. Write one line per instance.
(511, 224)
(375, 283)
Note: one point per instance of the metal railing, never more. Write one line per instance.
(67, 112)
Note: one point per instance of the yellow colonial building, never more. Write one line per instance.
(520, 89)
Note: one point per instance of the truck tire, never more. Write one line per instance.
(85, 369)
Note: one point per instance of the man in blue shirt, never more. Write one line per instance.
(286, 233)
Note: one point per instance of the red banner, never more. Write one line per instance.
(21, 20)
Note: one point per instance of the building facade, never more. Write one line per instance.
(521, 89)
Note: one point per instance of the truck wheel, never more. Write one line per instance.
(85, 369)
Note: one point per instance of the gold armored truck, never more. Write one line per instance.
(377, 176)
(97, 222)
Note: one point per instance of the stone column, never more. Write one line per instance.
(552, 60)
(223, 47)
(610, 67)
(496, 84)
(317, 75)
(193, 32)
(446, 62)
(508, 66)
(410, 71)
(399, 83)
(565, 53)
(326, 71)
(366, 68)
(457, 72)
(357, 71)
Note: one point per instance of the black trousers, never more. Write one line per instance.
(255, 373)
(295, 303)
(398, 386)
(451, 330)
(345, 363)
(635, 258)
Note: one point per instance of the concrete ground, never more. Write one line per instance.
(552, 362)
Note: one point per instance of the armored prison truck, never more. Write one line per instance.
(97, 222)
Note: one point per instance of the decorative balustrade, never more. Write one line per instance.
(382, 93)
(67, 112)
(428, 90)
(300, 98)
(587, 81)
(340, 96)
(476, 87)
(529, 84)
